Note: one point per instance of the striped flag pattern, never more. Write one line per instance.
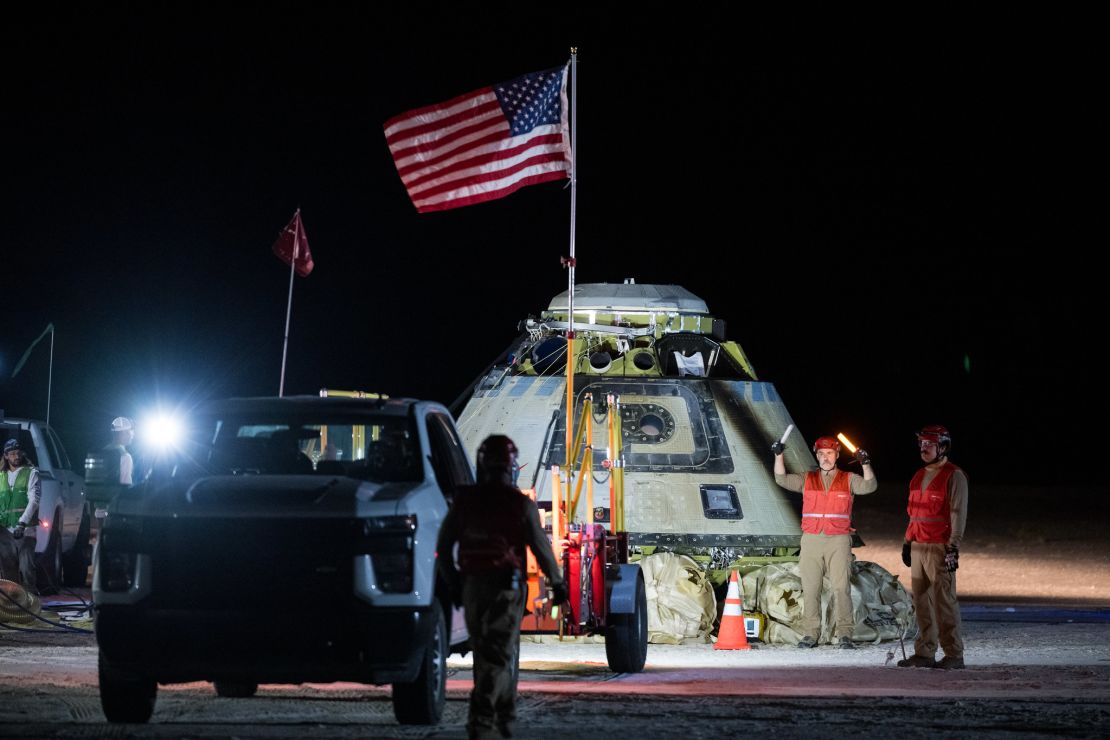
(485, 144)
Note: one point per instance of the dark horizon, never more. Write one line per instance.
(893, 229)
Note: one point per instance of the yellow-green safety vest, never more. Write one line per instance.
(13, 499)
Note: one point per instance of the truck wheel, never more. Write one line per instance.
(125, 697)
(421, 702)
(75, 563)
(626, 636)
(235, 689)
(48, 563)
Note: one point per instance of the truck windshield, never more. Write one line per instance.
(384, 449)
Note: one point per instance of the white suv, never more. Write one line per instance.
(62, 533)
(293, 540)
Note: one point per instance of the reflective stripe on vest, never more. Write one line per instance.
(928, 507)
(827, 512)
(13, 498)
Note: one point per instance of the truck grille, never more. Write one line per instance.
(249, 563)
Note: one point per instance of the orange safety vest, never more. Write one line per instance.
(930, 517)
(827, 512)
(492, 528)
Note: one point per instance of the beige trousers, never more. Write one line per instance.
(934, 602)
(493, 616)
(829, 555)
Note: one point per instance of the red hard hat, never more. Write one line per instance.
(497, 453)
(826, 443)
(935, 433)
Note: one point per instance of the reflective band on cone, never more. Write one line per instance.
(732, 635)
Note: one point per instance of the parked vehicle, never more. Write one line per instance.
(62, 538)
(289, 540)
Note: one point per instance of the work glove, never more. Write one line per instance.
(951, 558)
(559, 593)
(906, 553)
(863, 457)
(17, 531)
(778, 448)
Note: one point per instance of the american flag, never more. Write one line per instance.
(485, 144)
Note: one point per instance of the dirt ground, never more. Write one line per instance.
(1035, 592)
(1021, 545)
(1025, 679)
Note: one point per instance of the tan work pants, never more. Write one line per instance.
(829, 555)
(934, 602)
(493, 615)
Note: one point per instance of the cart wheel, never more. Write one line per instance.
(626, 636)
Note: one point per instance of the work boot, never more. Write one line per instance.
(846, 643)
(949, 662)
(917, 661)
(807, 642)
(481, 732)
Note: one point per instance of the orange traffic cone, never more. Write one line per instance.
(732, 635)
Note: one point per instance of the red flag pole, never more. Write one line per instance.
(289, 305)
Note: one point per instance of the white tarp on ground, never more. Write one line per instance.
(681, 603)
(882, 607)
(682, 606)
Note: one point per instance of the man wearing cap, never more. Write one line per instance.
(20, 491)
(123, 433)
(938, 512)
(826, 534)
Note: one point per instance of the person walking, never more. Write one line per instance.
(492, 522)
(938, 512)
(20, 492)
(827, 496)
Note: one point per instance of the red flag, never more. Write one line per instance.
(291, 246)
(485, 144)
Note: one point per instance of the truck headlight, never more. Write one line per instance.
(117, 571)
(388, 540)
(119, 547)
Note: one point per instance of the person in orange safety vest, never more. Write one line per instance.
(938, 512)
(826, 534)
(493, 523)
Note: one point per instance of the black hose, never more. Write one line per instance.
(56, 625)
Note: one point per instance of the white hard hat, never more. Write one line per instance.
(122, 424)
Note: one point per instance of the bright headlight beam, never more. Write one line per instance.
(163, 431)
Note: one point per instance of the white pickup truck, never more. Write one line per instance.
(62, 534)
(291, 540)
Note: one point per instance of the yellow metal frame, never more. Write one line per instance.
(568, 491)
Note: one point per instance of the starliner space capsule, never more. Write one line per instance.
(672, 427)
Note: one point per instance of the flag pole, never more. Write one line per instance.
(50, 375)
(289, 304)
(570, 267)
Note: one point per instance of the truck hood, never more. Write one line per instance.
(279, 496)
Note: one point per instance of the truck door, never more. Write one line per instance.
(451, 471)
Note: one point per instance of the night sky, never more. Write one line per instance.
(898, 223)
